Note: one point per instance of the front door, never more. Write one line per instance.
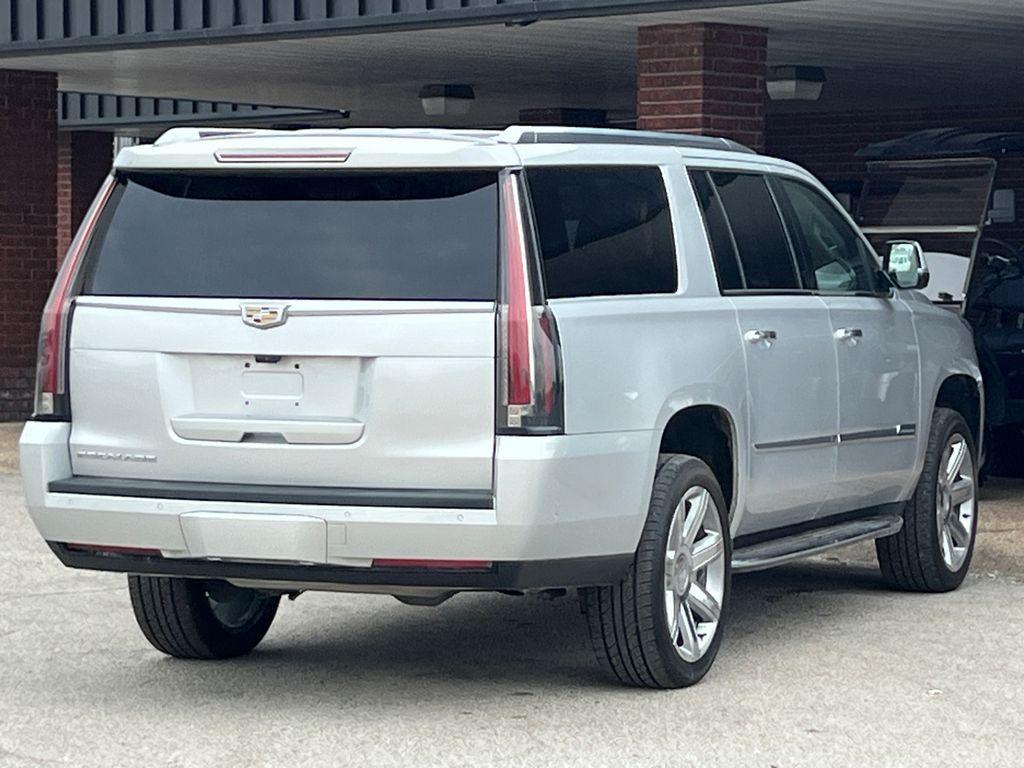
(876, 348)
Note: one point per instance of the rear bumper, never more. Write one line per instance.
(516, 576)
(564, 511)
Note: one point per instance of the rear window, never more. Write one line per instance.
(603, 231)
(408, 235)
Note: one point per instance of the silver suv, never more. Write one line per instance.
(422, 362)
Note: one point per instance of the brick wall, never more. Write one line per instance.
(83, 161)
(702, 78)
(28, 225)
(826, 142)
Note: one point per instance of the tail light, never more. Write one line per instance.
(530, 357)
(51, 374)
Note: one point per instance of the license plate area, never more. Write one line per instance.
(253, 536)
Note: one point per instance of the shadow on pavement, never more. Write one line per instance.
(511, 645)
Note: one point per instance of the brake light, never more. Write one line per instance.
(530, 370)
(51, 376)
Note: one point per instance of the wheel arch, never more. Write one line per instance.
(962, 393)
(708, 432)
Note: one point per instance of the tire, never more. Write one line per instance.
(918, 558)
(197, 619)
(629, 623)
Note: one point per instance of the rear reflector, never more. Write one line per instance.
(290, 156)
(444, 565)
(102, 549)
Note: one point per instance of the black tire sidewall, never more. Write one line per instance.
(946, 423)
(687, 472)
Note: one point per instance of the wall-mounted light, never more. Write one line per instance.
(799, 83)
(446, 99)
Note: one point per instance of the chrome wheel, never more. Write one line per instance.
(955, 502)
(234, 607)
(695, 571)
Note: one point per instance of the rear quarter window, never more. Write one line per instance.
(356, 235)
(603, 231)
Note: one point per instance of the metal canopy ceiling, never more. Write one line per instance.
(28, 27)
(876, 53)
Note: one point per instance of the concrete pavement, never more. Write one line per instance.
(822, 666)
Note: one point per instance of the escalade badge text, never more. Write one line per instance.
(264, 315)
(115, 456)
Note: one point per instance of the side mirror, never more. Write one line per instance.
(904, 262)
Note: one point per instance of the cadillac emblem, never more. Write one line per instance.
(264, 315)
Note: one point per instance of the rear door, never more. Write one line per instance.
(790, 357)
(317, 329)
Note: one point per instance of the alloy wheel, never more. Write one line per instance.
(695, 571)
(955, 502)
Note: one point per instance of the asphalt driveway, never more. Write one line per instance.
(822, 666)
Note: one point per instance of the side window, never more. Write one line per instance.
(765, 255)
(834, 256)
(723, 249)
(603, 231)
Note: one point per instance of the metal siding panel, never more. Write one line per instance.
(161, 15)
(107, 16)
(26, 20)
(51, 23)
(346, 9)
(377, 7)
(5, 22)
(250, 11)
(74, 106)
(108, 106)
(79, 19)
(190, 14)
(220, 13)
(279, 10)
(310, 10)
(133, 16)
(412, 6)
(91, 105)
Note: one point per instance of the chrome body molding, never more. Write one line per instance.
(889, 433)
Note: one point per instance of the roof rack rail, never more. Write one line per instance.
(557, 135)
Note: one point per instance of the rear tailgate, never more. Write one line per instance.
(332, 330)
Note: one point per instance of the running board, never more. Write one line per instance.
(766, 554)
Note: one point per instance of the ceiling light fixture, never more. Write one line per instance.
(795, 83)
(446, 99)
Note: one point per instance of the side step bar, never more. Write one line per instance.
(767, 554)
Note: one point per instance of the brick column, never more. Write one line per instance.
(83, 161)
(28, 225)
(703, 78)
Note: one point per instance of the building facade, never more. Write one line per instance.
(841, 74)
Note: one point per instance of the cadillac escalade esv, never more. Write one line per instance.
(419, 362)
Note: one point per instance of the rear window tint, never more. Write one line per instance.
(394, 236)
(603, 231)
(723, 250)
(757, 229)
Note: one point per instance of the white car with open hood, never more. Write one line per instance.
(418, 362)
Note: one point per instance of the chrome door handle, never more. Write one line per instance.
(760, 336)
(848, 334)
